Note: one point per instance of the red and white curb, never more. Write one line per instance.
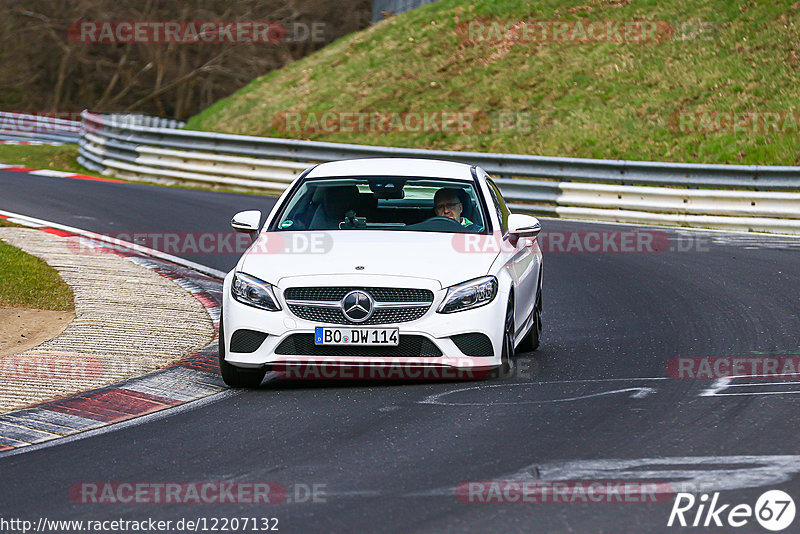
(12, 142)
(194, 377)
(55, 174)
(107, 242)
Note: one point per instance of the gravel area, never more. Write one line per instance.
(128, 320)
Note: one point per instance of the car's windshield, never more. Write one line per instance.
(383, 203)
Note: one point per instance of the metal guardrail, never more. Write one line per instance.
(394, 7)
(743, 197)
(26, 127)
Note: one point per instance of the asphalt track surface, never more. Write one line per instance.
(389, 456)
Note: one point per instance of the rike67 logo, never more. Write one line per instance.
(774, 510)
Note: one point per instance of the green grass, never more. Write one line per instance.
(29, 282)
(595, 100)
(59, 158)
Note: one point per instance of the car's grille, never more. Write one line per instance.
(380, 294)
(474, 344)
(409, 346)
(335, 315)
(320, 304)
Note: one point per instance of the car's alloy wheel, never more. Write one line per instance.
(237, 377)
(508, 332)
(531, 341)
(506, 367)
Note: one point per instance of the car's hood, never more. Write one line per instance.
(427, 255)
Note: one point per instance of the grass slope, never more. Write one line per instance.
(580, 99)
(29, 282)
(60, 157)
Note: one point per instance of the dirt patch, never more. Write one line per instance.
(129, 320)
(22, 328)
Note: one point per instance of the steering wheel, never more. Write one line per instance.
(442, 219)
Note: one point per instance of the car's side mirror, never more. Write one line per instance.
(247, 221)
(520, 226)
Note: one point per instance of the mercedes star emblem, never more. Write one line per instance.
(357, 306)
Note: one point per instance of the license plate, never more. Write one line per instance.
(356, 336)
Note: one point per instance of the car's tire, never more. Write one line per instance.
(506, 367)
(236, 377)
(531, 341)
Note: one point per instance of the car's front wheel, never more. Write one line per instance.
(531, 341)
(236, 377)
(506, 367)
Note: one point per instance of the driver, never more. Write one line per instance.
(446, 203)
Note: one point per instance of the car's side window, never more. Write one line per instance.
(499, 205)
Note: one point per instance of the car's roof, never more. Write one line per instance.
(423, 168)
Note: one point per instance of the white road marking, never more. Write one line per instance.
(638, 393)
(716, 386)
(723, 384)
(757, 237)
(24, 222)
(54, 174)
(703, 474)
(716, 389)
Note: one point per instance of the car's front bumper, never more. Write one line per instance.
(437, 329)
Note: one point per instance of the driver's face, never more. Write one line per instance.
(449, 207)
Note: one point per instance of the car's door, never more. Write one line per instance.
(521, 262)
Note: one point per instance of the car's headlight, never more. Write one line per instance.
(468, 295)
(254, 292)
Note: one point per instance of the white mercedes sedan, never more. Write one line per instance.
(383, 268)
